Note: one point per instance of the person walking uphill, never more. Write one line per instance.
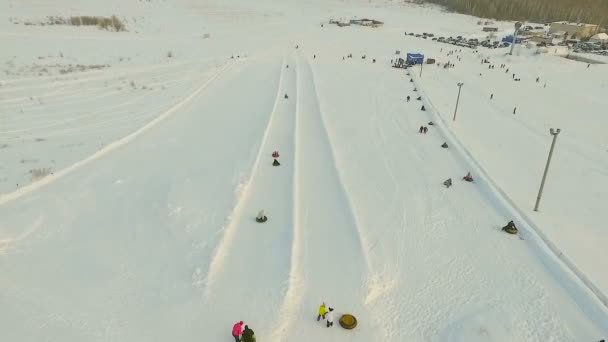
(237, 329)
(322, 312)
(248, 335)
(330, 317)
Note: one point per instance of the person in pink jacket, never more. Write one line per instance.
(237, 329)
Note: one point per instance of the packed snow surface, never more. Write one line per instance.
(133, 165)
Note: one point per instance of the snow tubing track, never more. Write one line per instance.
(493, 190)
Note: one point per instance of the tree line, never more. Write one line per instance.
(541, 11)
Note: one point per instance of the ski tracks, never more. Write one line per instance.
(25, 190)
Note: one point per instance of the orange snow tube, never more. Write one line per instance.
(348, 321)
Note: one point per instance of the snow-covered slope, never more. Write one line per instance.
(133, 164)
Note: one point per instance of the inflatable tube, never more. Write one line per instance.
(510, 230)
(348, 321)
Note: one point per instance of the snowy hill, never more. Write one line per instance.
(133, 164)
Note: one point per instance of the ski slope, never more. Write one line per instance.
(140, 225)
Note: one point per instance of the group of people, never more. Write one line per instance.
(326, 313)
(448, 182)
(242, 335)
(423, 129)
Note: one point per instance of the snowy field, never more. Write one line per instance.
(133, 164)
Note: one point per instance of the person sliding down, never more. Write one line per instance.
(448, 182)
(275, 154)
(248, 335)
(322, 312)
(422, 108)
(276, 163)
(510, 228)
(445, 145)
(261, 216)
(468, 177)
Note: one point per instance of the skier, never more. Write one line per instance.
(330, 317)
(422, 108)
(419, 98)
(248, 335)
(491, 96)
(275, 154)
(426, 129)
(444, 145)
(286, 96)
(421, 129)
(276, 163)
(448, 182)
(408, 98)
(322, 312)
(237, 330)
(514, 110)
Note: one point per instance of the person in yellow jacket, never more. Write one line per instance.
(322, 312)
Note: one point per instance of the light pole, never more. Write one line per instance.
(421, 63)
(457, 99)
(517, 26)
(554, 133)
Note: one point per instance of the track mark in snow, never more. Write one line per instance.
(6, 242)
(329, 262)
(110, 147)
(265, 189)
(295, 282)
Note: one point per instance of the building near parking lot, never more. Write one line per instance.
(577, 30)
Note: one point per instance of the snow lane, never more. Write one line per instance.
(332, 263)
(256, 255)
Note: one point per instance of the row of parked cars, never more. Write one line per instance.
(472, 43)
(588, 47)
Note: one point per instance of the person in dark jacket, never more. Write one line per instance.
(248, 335)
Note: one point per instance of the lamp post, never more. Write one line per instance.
(517, 26)
(459, 84)
(554, 133)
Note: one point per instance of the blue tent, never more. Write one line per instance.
(510, 38)
(414, 58)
